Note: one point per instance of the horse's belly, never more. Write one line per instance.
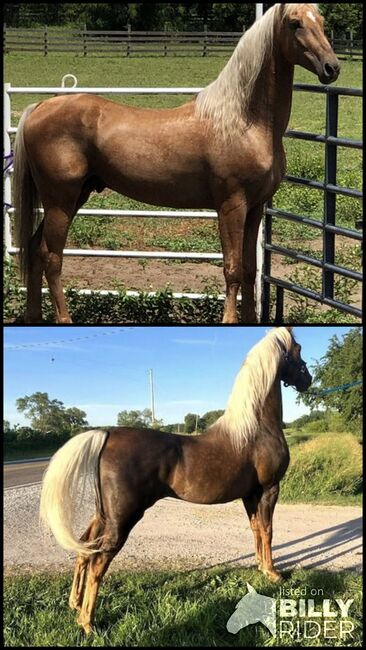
(167, 189)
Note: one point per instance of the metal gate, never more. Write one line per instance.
(327, 226)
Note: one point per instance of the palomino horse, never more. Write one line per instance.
(222, 150)
(244, 455)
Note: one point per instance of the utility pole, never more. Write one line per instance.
(152, 400)
(196, 423)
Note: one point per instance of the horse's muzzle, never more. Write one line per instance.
(330, 72)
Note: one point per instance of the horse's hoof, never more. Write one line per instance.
(87, 628)
(86, 625)
(273, 576)
(230, 320)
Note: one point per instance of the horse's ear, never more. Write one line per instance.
(250, 589)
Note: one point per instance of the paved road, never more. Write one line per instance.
(24, 473)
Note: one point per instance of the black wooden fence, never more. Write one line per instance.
(132, 43)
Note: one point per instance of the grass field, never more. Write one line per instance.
(304, 159)
(324, 468)
(167, 609)
(25, 453)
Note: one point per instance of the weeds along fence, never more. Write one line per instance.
(45, 40)
(266, 249)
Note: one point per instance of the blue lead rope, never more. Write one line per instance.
(326, 391)
(8, 161)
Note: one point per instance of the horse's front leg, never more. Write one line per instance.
(253, 220)
(266, 507)
(232, 213)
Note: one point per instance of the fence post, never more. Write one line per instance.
(204, 52)
(7, 181)
(259, 274)
(85, 45)
(165, 39)
(266, 298)
(330, 198)
(45, 41)
(128, 39)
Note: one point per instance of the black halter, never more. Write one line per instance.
(299, 365)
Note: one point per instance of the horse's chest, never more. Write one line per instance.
(271, 461)
(261, 172)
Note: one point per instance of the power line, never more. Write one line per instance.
(24, 346)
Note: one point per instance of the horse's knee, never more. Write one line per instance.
(233, 274)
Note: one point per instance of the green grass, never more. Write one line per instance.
(164, 608)
(324, 468)
(20, 453)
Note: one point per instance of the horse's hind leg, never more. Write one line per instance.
(34, 277)
(56, 225)
(77, 590)
(251, 506)
(114, 536)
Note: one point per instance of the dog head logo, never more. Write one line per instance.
(253, 608)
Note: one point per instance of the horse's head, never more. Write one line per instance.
(294, 371)
(304, 43)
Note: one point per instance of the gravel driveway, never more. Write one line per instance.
(175, 535)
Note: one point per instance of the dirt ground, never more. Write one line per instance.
(153, 275)
(178, 535)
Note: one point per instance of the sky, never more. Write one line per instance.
(104, 370)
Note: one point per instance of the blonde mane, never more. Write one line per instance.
(226, 100)
(252, 385)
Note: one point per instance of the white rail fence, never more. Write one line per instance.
(10, 249)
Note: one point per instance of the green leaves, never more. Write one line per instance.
(342, 363)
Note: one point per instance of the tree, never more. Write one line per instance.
(343, 16)
(300, 422)
(138, 419)
(341, 364)
(190, 422)
(211, 416)
(76, 419)
(50, 416)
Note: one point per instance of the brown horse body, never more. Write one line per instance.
(186, 157)
(137, 467)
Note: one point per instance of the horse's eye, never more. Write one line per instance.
(295, 24)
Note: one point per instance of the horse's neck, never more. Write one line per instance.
(272, 411)
(270, 105)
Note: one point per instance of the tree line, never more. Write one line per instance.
(51, 421)
(177, 16)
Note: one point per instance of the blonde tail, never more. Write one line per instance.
(25, 195)
(66, 473)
